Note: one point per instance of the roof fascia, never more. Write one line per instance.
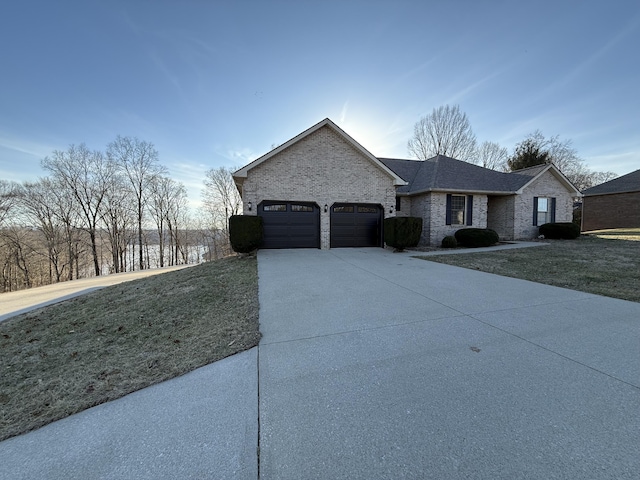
(455, 190)
(609, 193)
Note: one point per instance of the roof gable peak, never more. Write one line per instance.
(327, 122)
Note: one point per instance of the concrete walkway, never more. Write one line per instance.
(377, 365)
(21, 301)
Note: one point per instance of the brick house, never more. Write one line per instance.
(322, 189)
(613, 204)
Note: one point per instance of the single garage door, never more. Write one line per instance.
(290, 224)
(356, 225)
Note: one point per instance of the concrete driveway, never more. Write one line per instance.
(375, 365)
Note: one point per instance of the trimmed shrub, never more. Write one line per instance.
(245, 233)
(565, 230)
(449, 242)
(476, 237)
(402, 232)
(577, 216)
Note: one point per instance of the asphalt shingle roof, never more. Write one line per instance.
(626, 183)
(445, 173)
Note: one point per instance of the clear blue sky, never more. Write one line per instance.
(218, 83)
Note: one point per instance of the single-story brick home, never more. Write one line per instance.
(613, 204)
(322, 189)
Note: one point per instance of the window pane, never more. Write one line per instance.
(367, 210)
(301, 208)
(275, 208)
(457, 209)
(543, 204)
(343, 209)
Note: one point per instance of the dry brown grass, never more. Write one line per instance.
(604, 263)
(62, 359)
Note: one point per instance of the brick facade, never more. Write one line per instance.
(618, 210)
(322, 168)
(500, 215)
(323, 165)
(547, 185)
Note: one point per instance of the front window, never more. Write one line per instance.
(457, 209)
(543, 211)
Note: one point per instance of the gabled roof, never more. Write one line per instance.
(442, 173)
(624, 184)
(535, 172)
(240, 174)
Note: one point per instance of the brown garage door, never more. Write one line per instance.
(356, 225)
(290, 224)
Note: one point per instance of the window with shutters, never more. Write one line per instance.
(544, 210)
(459, 210)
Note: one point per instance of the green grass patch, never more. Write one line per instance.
(63, 359)
(604, 265)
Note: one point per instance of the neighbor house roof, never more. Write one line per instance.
(624, 184)
(442, 173)
(241, 174)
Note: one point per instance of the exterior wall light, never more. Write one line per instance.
(249, 205)
(326, 208)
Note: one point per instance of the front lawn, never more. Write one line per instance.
(62, 359)
(605, 263)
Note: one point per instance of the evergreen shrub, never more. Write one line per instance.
(476, 237)
(245, 233)
(449, 242)
(558, 230)
(402, 232)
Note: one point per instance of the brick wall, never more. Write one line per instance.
(619, 210)
(500, 215)
(545, 186)
(321, 168)
(439, 227)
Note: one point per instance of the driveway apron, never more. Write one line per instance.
(377, 365)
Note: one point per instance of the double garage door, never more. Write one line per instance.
(297, 225)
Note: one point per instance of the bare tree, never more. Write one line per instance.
(445, 131)
(177, 214)
(39, 205)
(86, 176)
(7, 199)
(117, 217)
(492, 155)
(19, 248)
(67, 214)
(562, 154)
(138, 160)
(221, 198)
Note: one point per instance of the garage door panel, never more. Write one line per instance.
(356, 225)
(290, 224)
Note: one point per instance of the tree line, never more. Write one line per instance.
(447, 131)
(99, 212)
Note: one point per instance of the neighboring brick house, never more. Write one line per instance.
(613, 204)
(322, 189)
